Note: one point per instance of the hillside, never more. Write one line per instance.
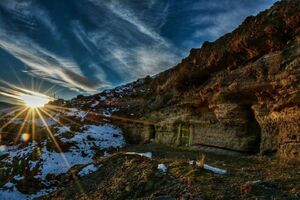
(239, 93)
(222, 124)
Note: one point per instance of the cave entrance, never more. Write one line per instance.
(151, 132)
(254, 130)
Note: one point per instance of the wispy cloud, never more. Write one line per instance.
(129, 42)
(130, 17)
(30, 14)
(46, 64)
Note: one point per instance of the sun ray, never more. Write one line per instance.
(114, 117)
(5, 110)
(49, 115)
(49, 89)
(10, 113)
(22, 126)
(59, 148)
(65, 118)
(33, 102)
(121, 118)
(24, 96)
(48, 130)
(12, 119)
(59, 107)
(33, 124)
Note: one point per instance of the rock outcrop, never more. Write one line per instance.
(240, 92)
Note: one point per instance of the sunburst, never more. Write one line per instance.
(30, 106)
(34, 101)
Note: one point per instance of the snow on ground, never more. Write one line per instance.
(12, 193)
(18, 178)
(105, 136)
(147, 154)
(102, 98)
(62, 130)
(95, 104)
(214, 169)
(106, 113)
(77, 113)
(88, 169)
(81, 151)
(59, 163)
(162, 168)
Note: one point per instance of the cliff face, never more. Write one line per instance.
(240, 92)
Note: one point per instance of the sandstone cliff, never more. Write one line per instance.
(240, 92)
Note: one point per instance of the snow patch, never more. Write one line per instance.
(95, 104)
(15, 194)
(88, 169)
(162, 168)
(214, 169)
(76, 113)
(147, 154)
(18, 178)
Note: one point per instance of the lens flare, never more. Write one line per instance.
(25, 137)
(3, 148)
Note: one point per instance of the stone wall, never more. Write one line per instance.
(225, 127)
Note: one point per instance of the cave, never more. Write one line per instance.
(254, 129)
(152, 132)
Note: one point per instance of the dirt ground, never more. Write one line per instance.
(135, 177)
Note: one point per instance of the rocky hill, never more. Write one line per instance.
(239, 93)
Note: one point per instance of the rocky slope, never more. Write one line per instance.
(37, 152)
(240, 92)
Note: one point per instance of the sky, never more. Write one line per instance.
(71, 47)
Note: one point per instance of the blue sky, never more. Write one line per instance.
(83, 46)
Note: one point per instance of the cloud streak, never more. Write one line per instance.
(47, 65)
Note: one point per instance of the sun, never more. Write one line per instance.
(34, 101)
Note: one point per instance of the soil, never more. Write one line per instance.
(123, 176)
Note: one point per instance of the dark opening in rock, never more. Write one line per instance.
(254, 130)
(152, 132)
